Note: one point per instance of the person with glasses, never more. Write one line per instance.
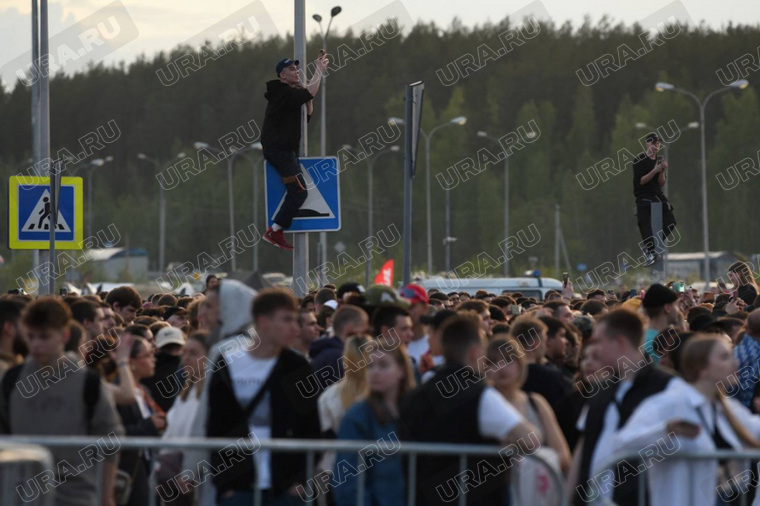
(649, 176)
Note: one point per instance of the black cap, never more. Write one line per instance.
(285, 63)
(349, 287)
(437, 319)
(658, 295)
(652, 137)
(172, 310)
(701, 322)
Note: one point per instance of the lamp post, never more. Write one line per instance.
(230, 158)
(740, 85)
(370, 197)
(161, 209)
(323, 120)
(459, 120)
(485, 135)
(91, 165)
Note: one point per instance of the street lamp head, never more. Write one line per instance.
(481, 133)
(142, 156)
(641, 126)
(109, 158)
(395, 120)
(740, 84)
(317, 18)
(98, 162)
(693, 125)
(662, 86)
(347, 147)
(530, 135)
(335, 11)
(459, 120)
(181, 155)
(257, 146)
(200, 145)
(395, 149)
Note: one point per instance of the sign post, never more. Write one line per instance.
(300, 240)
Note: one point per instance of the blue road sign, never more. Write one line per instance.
(29, 213)
(321, 210)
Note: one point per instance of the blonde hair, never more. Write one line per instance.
(695, 359)
(354, 384)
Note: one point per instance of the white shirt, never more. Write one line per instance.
(248, 374)
(418, 348)
(605, 445)
(179, 419)
(675, 481)
(496, 416)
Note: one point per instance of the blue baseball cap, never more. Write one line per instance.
(285, 63)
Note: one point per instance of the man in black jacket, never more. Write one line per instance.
(648, 179)
(629, 380)
(281, 138)
(254, 394)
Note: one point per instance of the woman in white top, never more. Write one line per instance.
(683, 419)
(179, 422)
(335, 401)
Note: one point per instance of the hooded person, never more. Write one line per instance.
(228, 308)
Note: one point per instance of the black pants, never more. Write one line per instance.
(644, 216)
(287, 166)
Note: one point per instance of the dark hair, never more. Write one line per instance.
(526, 329)
(473, 305)
(623, 322)
(154, 328)
(269, 300)
(47, 313)
(458, 335)
(593, 307)
(696, 312)
(184, 301)
(502, 302)
(138, 330)
(594, 293)
(167, 299)
(385, 316)
(125, 296)
(553, 326)
(138, 345)
(306, 301)
(10, 311)
(76, 332)
(209, 278)
(324, 295)
(497, 314)
(438, 296)
(144, 320)
(554, 305)
(500, 328)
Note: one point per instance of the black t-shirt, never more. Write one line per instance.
(642, 166)
(282, 119)
(547, 380)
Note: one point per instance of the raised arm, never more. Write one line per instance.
(321, 64)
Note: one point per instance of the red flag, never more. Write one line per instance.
(385, 276)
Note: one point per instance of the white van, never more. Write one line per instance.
(529, 287)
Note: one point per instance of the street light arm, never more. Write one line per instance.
(712, 94)
(689, 94)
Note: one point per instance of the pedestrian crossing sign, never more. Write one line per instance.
(29, 213)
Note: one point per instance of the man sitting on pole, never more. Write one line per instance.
(648, 179)
(281, 138)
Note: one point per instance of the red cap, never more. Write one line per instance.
(414, 293)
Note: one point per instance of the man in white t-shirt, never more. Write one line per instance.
(257, 396)
(456, 406)
(418, 298)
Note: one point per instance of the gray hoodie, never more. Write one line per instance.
(234, 334)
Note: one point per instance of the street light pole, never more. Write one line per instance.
(740, 84)
(459, 120)
(323, 126)
(161, 210)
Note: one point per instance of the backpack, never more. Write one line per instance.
(91, 390)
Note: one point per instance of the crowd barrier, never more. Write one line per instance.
(310, 447)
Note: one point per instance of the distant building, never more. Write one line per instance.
(690, 266)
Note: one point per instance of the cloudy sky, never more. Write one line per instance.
(149, 26)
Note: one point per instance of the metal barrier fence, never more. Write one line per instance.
(748, 456)
(310, 447)
(16, 463)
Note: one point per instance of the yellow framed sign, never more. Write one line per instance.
(29, 213)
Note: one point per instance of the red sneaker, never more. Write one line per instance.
(277, 238)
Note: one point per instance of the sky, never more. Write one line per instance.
(137, 27)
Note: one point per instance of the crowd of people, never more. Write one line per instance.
(578, 380)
